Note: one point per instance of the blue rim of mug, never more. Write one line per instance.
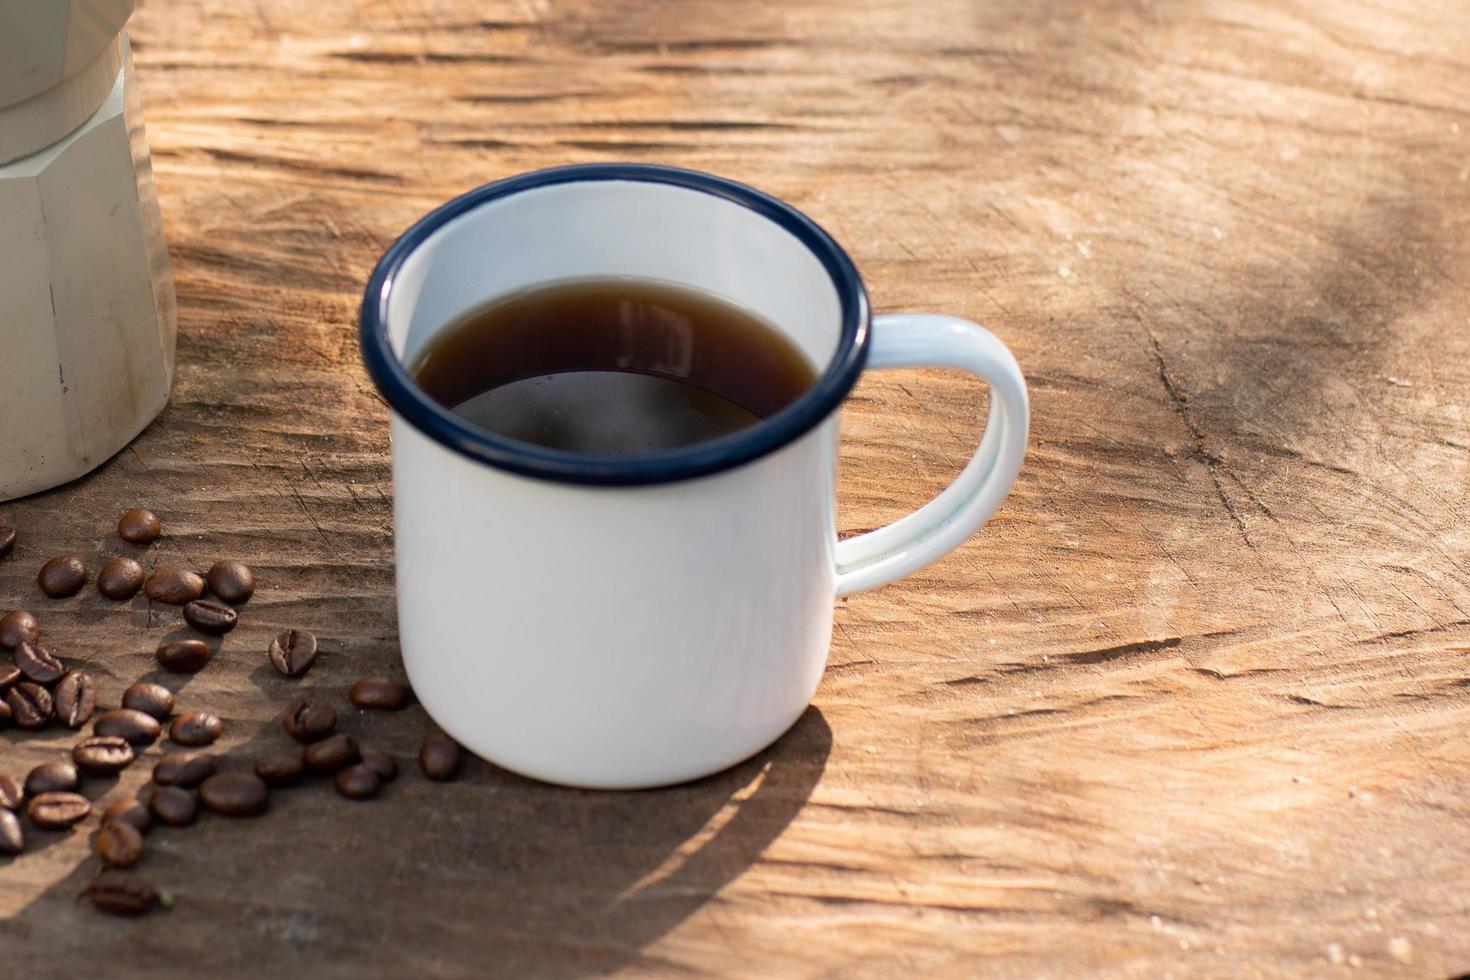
(437, 422)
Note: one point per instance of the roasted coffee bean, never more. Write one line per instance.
(135, 726)
(379, 762)
(306, 721)
(62, 576)
(184, 656)
(139, 526)
(12, 838)
(331, 754)
(151, 699)
(121, 894)
(281, 769)
(12, 792)
(118, 844)
(30, 705)
(293, 652)
(36, 662)
(9, 675)
(18, 627)
(235, 794)
(358, 782)
(175, 586)
(439, 758)
(182, 769)
(232, 581)
(5, 713)
(208, 616)
(75, 698)
(51, 777)
(131, 812)
(55, 811)
(7, 537)
(380, 693)
(195, 727)
(173, 805)
(120, 578)
(103, 755)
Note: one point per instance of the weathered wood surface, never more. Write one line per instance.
(1195, 702)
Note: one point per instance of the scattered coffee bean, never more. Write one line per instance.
(380, 693)
(293, 652)
(306, 721)
(281, 769)
(12, 792)
(379, 762)
(358, 782)
(51, 777)
(195, 727)
(129, 811)
(5, 713)
(439, 758)
(151, 699)
(182, 769)
(7, 537)
(18, 627)
(139, 526)
(30, 704)
(137, 727)
(57, 811)
(174, 806)
(208, 616)
(121, 894)
(232, 581)
(103, 755)
(9, 675)
(36, 662)
(331, 754)
(120, 578)
(184, 656)
(62, 576)
(174, 586)
(235, 794)
(12, 838)
(75, 698)
(118, 844)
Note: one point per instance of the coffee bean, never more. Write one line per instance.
(120, 578)
(130, 812)
(5, 713)
(57, 811)
(232, 581)
(293, 652)
(331, 754)
(208, 616)
(12, 838)
(75, 698)
(135, 726)
(184, 656)
(182, 769)
(30, 705)
(62, 576)
(120, 894)
(379, 762)
(9, 675)
(439, 758)
(118, 844)
(139, 526)
(36, 662)
(306, 721)
(195, 727)
(151, 699)
(51, 777)
(7, 537)
(281, 769)
(380, 693)
(18, 627)
(174, 806)
(235, 794)
(103, 755)
(12, 792)
(174, 586)
(358, 782)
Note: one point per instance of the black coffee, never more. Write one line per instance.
(613, 367)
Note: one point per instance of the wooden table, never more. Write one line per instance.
(1194, 702)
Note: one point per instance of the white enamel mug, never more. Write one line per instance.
(623, 622)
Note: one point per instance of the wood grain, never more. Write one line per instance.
(1194, 703)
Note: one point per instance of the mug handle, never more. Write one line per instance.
(869, 560)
